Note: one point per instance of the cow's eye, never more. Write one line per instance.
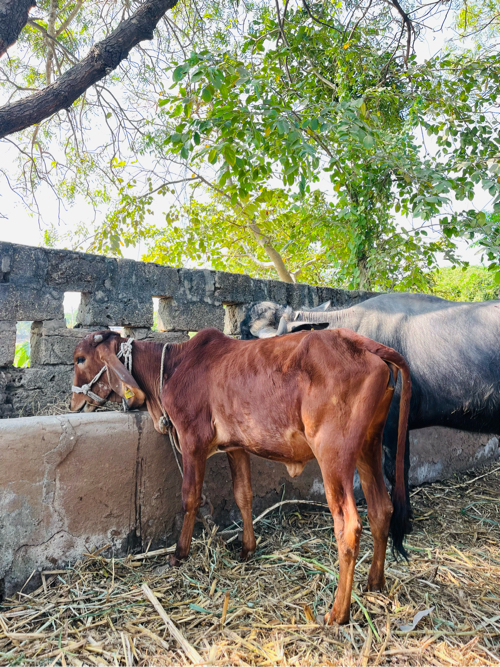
(80, 360)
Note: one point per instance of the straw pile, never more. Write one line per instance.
(215, 610)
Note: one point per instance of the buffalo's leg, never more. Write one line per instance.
(379, 507)
(239, 462)
(193, 473)
(347, 525)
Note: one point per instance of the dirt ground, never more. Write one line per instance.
(265, 612)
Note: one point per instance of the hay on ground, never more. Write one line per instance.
(265, 611)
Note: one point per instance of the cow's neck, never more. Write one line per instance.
(146, 364)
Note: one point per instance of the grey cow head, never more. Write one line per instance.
(267, 319)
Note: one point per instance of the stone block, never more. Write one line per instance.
(104, 308)
(53, 379)
(279, 292)
(31, 303)
(163, 280)
(41, 388)
(233, 288)
(7, 342)
(184, 316)
(197, 285)
(52, 344)
(5, 262)
(28, 267)
(260, 290)
(303, 296)
(233, 317)
(80, 272)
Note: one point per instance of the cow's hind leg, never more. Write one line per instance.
(347, 525)
(239, 462)
(378, 502)
(193, 467)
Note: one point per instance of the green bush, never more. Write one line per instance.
(22, 356)
(475, 283)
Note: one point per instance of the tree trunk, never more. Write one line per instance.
(13, 18)
(102, 59)
(364, 281)
(272, 253)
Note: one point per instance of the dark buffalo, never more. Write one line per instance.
(452, 349)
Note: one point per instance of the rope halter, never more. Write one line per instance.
(125, 352)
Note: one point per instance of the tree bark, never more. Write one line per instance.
(283, 273)
(103, 58)
(13, 18)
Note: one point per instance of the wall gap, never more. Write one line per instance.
(156, 305)
(23, 344)
(72, 302)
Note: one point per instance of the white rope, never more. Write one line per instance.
(86, 388)
(165, 425)
(126, 353)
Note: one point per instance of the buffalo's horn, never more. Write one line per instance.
(283, 327)
(324, 306)
(98, 338)
(266, 332)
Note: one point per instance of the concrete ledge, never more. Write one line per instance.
(73, 483)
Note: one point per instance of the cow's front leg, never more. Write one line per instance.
(239, 462)
(193, 466)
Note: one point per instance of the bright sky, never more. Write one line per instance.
(19, 226)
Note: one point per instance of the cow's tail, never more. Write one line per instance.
(400, 521)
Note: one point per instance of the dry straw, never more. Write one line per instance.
(214, 610)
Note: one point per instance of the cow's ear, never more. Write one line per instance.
(120, 380)
(308, 326)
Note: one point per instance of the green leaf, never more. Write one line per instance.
(368, 141)
(229, 155)
(180, 72)
(206, 94)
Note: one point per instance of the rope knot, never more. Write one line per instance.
(126, 353)
(127, 347)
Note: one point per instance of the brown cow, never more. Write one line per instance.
(318, 394)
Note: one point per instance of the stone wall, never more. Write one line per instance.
(115, 292)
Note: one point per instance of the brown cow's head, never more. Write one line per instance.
(116, 383)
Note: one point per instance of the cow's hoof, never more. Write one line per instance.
(246, 554)
(334, 617)
(376, 585)
(174, 561)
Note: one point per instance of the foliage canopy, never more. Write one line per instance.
(305, 142)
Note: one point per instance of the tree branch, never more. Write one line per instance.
(103, 58)
(409, 26)
(13, 18)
